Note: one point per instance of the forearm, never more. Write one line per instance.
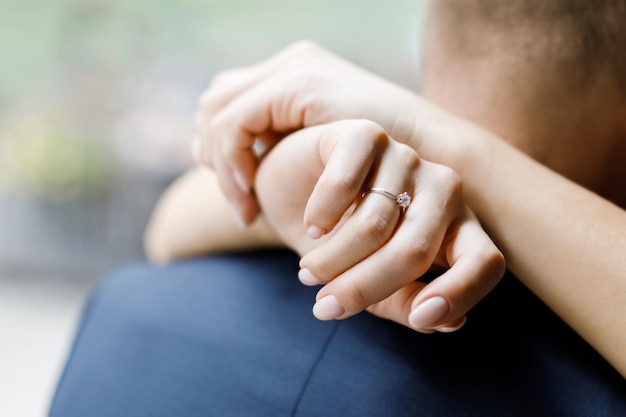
(192, 218)
(565, 243)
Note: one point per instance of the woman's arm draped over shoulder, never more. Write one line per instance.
(192, 218)
(567, 244)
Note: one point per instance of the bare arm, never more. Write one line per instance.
(192, 218)
(565, 243)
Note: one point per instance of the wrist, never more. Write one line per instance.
(443, 138)
(471, 151)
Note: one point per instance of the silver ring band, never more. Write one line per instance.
(403, 199)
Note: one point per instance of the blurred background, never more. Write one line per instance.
(96, 106)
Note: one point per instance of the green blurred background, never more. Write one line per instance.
(97, 99)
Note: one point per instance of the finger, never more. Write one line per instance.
(279, 104)
(476, 267)
(436, 203)
(348, 150)
(397, 307)
(236, 184)
(372, 223)
(268, 103)
(407, 255)
(243, 204)
(217, 144)
(227, 85)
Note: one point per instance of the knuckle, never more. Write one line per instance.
(375, 227)
(315, 106)
(380, 309)
(451, 186)
(413, 161)
(370, 131)
(359, 298)
(347, 184)
(416, 252)
(317, 214)
(322, 218)
(303, 75)
(494, 262)
(406, 158)
(452, 181)
(304, 46)
(320, 269)
(491, 265)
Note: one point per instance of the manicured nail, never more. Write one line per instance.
(315, 232)
(259, 148)
(429, 312)
(237, 218)
(328, 308)
(196, 149)
(307, 278)
(241, 182)
(451, 329)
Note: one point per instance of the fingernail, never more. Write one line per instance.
(429, 312)
(196, 148)
(315, 232)
(328, 308)
(241, 182)
(237, 218)
(451, 329)
(307, 278)
(259, 148)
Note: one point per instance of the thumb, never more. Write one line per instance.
(398, 306)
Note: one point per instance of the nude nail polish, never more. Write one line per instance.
(429, 312)
(240, 181)
(307, 278)
(315, 232)
(328, 308)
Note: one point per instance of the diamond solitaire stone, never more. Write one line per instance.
(403, 200)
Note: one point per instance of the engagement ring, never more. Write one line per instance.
(403, 200)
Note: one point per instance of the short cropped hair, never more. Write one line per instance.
(578, 38)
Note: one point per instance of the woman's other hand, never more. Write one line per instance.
(303, 85)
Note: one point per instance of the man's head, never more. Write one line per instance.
(547, 76)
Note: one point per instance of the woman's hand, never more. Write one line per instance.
(364, 249)
(303, 85)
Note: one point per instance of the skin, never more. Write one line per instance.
(578, 234)
(193, 218)
(313, 168)
(321, 173)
